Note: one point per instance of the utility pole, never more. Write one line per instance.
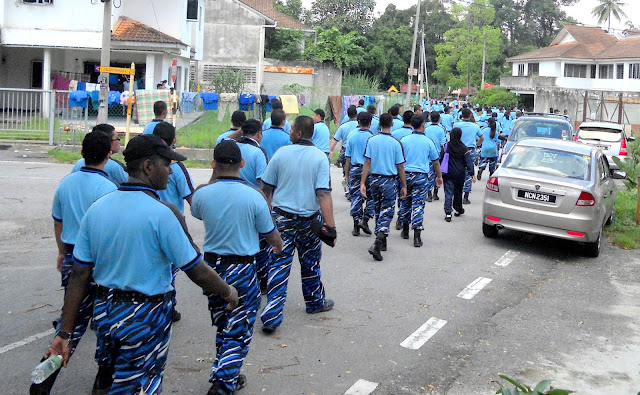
(484, 60)
(421, 69)
(105, 61)
(413, 54)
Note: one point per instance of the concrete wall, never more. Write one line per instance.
(325, 81)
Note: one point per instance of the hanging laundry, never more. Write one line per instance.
(188, 101)
(227, 100)
(78, 99)
(146, 98)
(290, 104)
(246, 101)
(209, 100)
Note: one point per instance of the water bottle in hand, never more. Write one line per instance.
(46, 369)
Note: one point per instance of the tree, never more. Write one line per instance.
(495, 96)
(345, 15)
(293, 8)
(285, 44)
(608, 8)
(344, 50)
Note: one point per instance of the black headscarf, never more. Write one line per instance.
(456, 147)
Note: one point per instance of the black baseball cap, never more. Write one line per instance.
(227, 152)
(147, 145)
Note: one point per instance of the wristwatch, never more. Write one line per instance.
(63, 335)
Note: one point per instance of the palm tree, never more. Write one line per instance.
(606, 8)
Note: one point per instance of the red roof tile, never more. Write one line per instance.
(265, 7)
(127, 29)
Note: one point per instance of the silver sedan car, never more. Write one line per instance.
(554, 188)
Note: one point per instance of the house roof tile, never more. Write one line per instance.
(127, 29)
(265, 7)
(623, 49)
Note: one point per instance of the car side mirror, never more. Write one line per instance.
(631, 138)
(618, 174)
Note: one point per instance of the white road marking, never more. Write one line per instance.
(31, 178)
(423, 334)
(27, 340)
(361, 387)
(472, 289)
(507, 258)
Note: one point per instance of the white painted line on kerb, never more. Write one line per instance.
(507, 258)
(27, 340)
(472, 289)
(361, 387)
(423, 334)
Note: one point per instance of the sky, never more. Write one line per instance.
(581, 11)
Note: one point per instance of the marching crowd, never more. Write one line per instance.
(269, 195)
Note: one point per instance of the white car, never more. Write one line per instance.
(608, 137)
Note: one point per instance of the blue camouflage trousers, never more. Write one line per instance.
(262, 261)
(234, 328)
(383, 191)
(488, 161)
(412, 207)
(296, 235)
(360, 206)
(86, 306)
(468, 182)
(432, 180)
(133, 338)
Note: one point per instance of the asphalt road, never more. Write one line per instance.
(547, 313)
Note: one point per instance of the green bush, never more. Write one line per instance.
(228, 80)
(495, 96)
(631, 165)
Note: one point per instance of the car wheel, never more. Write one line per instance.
(593, 249)
(489, 231)
(611, 218)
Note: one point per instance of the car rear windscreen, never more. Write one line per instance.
(540, 128)
(600, 134)
(549, 161)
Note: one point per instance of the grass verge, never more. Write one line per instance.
(624, 232)
(72, 157)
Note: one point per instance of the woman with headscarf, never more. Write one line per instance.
(460, 163)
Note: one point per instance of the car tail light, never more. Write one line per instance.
(493, 219)
(572, 233)
(623, 148)
(586, 199)
(492, 184)
(575, 138)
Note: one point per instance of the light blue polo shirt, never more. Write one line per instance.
(420, 151)
(255, 162)
(225, 135)
(358, 111)
(375, 125)
(235, 216)
(489, 145)
(134, 250)
(437, 134)
(385, 153)
(179, 187)
(273, 139)
(402, 132)
(321, 135)
(115, 171)
(447, 121)
(507, 124)
(296, 173)
(343, 132)
(397, 124)
(470, 132)
(75, 193)
(356, 145)
(267, 125)
(148, 128)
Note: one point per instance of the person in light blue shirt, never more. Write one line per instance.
(342, 134)
(160, 112)
(446, 119)
(297, 186)
(422, 159)
(384, 161)
(321, 133)
(276, 105)
(361, 207)
(237, 119)
(397, 119)
(275, 137)
(235, 216)
(507, 123)
(471, 137)
(180, 187)
(490, 146)
(375, 120)
(255, 157)
(114, 169)
(360, 108)
(130, 256)
(406, 128)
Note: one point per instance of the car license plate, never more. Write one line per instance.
(602, 147)
(539, 197)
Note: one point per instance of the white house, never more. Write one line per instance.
(580, 58)
(41, 38)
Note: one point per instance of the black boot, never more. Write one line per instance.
(364, 225)
(356, 228)
(405, 231)
(466, 198)
(103, 381)
(375, 248)
(479, 174)
(417, 241)
(398, 225)
(435, 194)
(383, 246)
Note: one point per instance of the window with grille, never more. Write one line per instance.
(534, 68)
(634, 71)
(575, 70)
(594, 69)
(211, 70)
(37, 1)
(521, 70)
(192, 10)
(606, 71)
(619, 71)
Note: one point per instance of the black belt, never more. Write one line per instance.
(416, 172)
(384, 175)
(132, 296)
(68, 248)
(289, 215)
(356, 165)
(211, 257)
